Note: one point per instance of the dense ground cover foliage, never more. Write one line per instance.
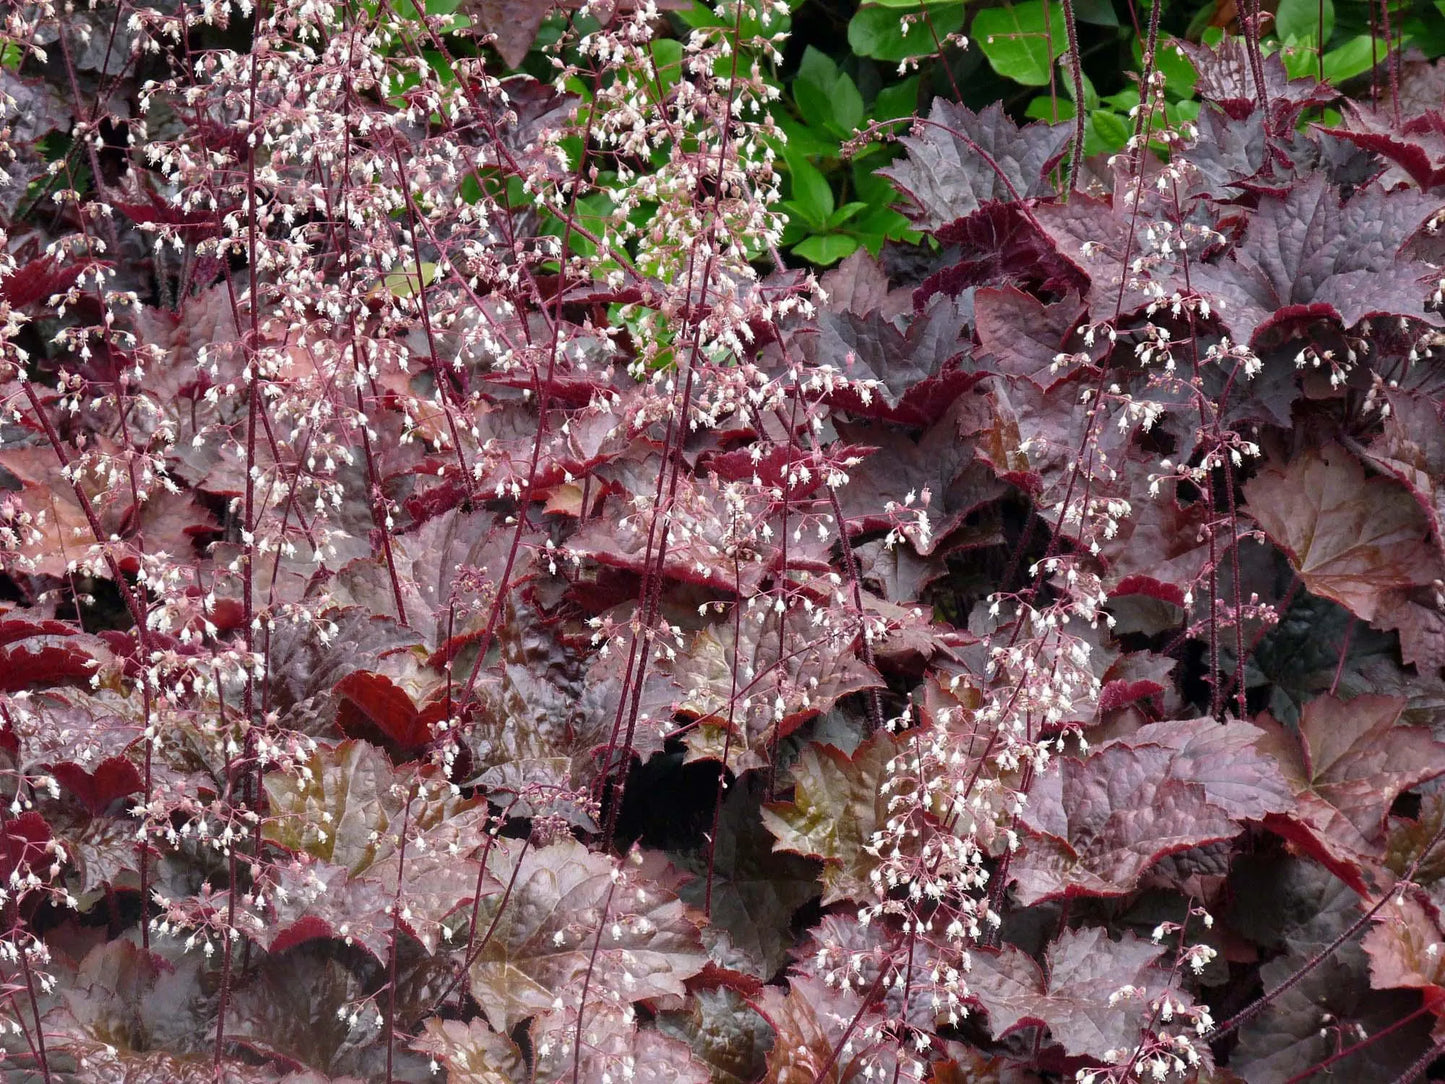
(478, 601)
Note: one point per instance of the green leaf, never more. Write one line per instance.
(1179, 73)
(844, 213)
(1353, 58)
(405, 282)
(1110, 129)
(811, 191)
(1091, 96)
(813, 87)
(1106, 132)
(884, 223)
(1300, 20)
(877, 31)
(1022, 41)
(1299, 60)
(826, 97)
(748, 26)
(847, 106)
(809, 142)
(1096, 12)
(1052, 110)
(1122, 102)
(667, 60)
(901, 99)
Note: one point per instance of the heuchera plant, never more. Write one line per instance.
(469, 610)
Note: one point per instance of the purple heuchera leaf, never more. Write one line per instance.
(1070, 994)
(836, 807)
(1226, 79)
(1352, 540)
(945, 178)
(1324, 1015)
(346, 815)
(1404, 948)
(1349, 764)
(812, 676)
(916, 365)
(860, 285)
(809, 1021)
(1308, 256)
(1024, 334)
(1001, 244)
(938, 464)
(545, 938)
(1100, 821)
(751, 888)
(1417, 147)
(1227, 152)
(1098, 237)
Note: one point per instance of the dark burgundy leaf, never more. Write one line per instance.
(860, 285)
(1100, 821)
(98, 790)
(306, 928)
(1099, 241)
(1417, 147)
(1422, 85)
(25, 848)
(1025, 335)
(1032, 439)
(754, 891)
(915, 365)
(513, 24)
(817, 667)
(1404, 949)
(935, 482)
(545, 937)
(34, 655)
(1412, 449)
(307, 663)
(145, 206)
(540, 716)
(1161, 550)
(1351, 540)
(55, 533)
(793, 471)
(837, 805)
(127, 1012)
(346, 813)
(371, 706)
(1307, 256)
(37, 281)
(1134, 677)
(471, 1051)
(725, 1033)
(1228, 152)
(900, 575)
(809, 1022)
(1332, 1006)
(1070, 994)
(288, 1009)
(960, 160)
(1226, 79)
(1001, 244)
(1351, 761)
(701, 520)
